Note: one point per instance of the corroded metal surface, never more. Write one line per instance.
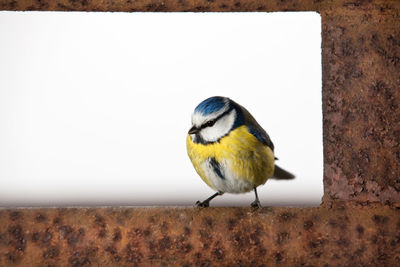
(342, 235)
(170, 5)
(361, 82)
(197, 5)
(361, 97)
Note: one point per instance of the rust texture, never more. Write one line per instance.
(361, 97)
(359, 221)
(340, 235)
(361, 82)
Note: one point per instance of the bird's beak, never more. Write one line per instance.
(193, 130)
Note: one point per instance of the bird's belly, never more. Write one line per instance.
(235, 164)
(226, 180)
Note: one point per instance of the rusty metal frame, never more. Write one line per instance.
(358, 223)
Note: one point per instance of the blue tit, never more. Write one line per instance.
(230, 151)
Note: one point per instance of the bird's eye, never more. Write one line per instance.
(210, 123)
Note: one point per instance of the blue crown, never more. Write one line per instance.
(211, 105)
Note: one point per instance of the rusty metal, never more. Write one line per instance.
(361, 97)
(360, 66)
(343, 234)
(358, 223)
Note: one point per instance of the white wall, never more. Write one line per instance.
(95, 107)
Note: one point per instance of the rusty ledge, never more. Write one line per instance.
(344, 234)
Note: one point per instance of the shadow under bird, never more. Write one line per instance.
(230, 151)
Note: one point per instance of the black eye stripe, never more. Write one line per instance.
(212, 122)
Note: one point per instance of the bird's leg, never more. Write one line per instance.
(206, 203)
(256, 203)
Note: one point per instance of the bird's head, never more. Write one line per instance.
(214, 118)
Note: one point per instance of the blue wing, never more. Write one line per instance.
(255, 128)
(261, 135)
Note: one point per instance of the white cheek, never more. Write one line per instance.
(212, 134)
(220, 128)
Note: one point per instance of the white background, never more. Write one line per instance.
(95, 107)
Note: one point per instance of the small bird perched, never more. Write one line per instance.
(230, 151)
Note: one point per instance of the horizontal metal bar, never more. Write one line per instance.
(194, 5)
(345, 234)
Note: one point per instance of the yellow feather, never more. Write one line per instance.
(249, 158)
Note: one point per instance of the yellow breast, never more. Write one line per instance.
(247, 157)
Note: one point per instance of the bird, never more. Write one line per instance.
(229, 150)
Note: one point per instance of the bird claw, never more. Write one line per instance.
(203, 204)
(255, 204)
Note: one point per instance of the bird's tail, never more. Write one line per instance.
(281, 174)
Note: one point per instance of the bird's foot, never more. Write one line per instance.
(203, 204)
(255, 204)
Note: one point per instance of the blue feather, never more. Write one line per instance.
(261, 135)
(211, 105)
(239, 121)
